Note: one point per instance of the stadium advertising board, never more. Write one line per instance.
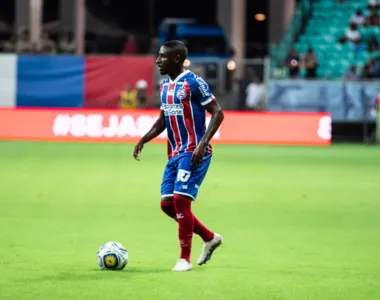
(129, 125)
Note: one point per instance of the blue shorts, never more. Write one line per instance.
(180, 177)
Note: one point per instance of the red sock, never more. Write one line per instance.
(185, 218)
(199, 228)
(168, 208)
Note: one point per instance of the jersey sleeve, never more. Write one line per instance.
(201, 92)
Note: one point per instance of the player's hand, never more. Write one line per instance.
(137, 150)
(198, 154)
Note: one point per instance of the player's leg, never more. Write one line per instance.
(185, 219)
(211, 240)
(182, 205)
(179, 211)
(167, 188)
(187, 184)
(167, 205)
(186, 227)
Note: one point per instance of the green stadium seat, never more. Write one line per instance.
(375, 54)
(327, 24)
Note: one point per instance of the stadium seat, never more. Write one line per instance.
(326, 25)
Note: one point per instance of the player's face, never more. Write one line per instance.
(166, 60)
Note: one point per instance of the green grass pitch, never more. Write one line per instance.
(299, 223)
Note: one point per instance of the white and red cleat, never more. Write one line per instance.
(182, 266)
(209, 248)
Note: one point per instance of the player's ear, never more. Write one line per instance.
(177, 59)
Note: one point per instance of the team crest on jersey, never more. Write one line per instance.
(181, 94)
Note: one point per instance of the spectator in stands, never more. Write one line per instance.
(375, 108)
(256, 95)
(131, 46)
(373, 19)
(293, 63)
(373, 4)
(242, 83)
(142, 97)
(373, 44)
(46, 45)
(128, 97)
(351, 74)
(359, 48)
(372, 68)
(310, 62)
(365, 73)
(23, 43)
(358, 18)
(352, 35)
(377, 72)
(66, 43)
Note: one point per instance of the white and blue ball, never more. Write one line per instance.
(112, 256)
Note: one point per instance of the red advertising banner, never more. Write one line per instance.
(130, 125)
(107, 76)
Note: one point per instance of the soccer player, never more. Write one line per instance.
(185, 98)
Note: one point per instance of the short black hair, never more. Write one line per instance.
(178, 46)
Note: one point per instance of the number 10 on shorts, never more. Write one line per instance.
(183, 175)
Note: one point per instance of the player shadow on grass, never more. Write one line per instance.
(132, 270)
(95, 274)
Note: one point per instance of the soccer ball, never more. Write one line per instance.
(112, 256)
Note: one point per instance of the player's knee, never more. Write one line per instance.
(166, 202)
(167, 206)
(181, 200)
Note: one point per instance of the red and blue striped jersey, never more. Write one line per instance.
(183, 101)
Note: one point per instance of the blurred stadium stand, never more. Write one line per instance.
(320, 24)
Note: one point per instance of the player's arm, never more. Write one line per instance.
(217, 117)
(158, 127)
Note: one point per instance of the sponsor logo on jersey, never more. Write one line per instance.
(172, 109)
(203, 87)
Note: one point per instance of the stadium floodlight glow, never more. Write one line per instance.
(260, 17)
(231, 65)
(186, 63)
